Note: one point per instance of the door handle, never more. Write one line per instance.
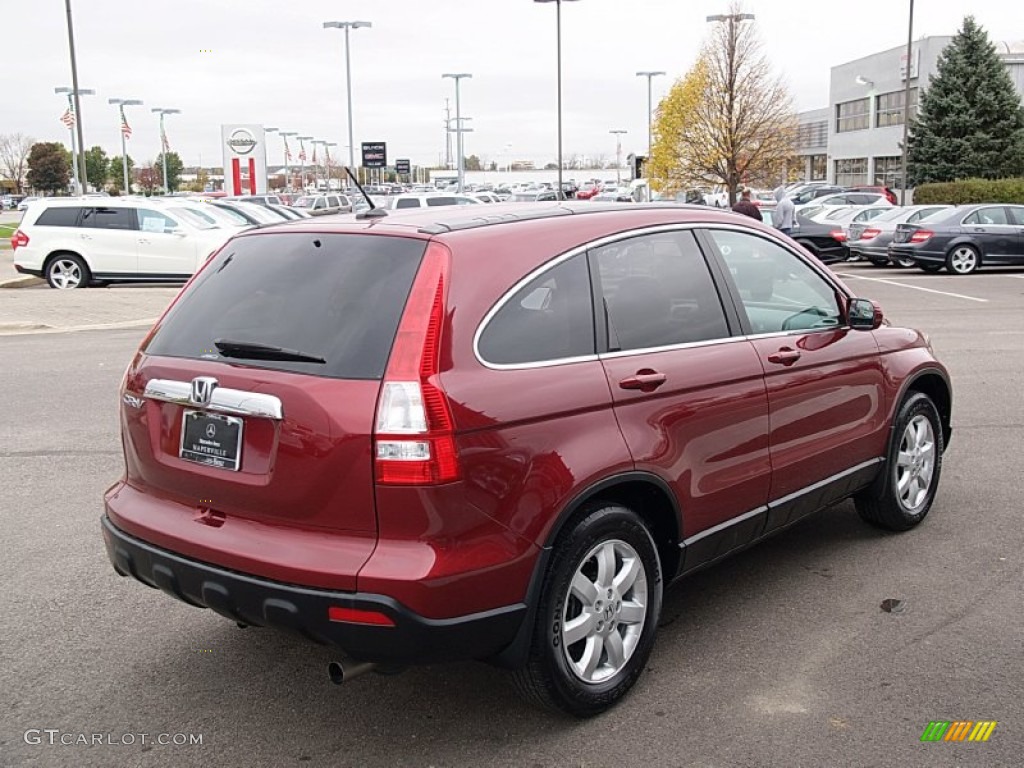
(646, 380)
(86, 237)
(143, 241)
(785, 356)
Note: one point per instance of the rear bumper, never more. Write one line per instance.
(304, 611)
(26, 271)
(917, 254)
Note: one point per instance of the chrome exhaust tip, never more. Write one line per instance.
(348, 669)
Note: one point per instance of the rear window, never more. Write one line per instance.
(337, 297)
(109, 218)
(59, 216)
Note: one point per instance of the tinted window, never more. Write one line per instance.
(333, 202)
(1017, 214)
(442, 200)
(777, 289)
(154, 221)
(407, 202)
(988, 216)
(657, 292)
(551, 318)
(59, 216)
(344, 202)
(338, 297)
(108, 218)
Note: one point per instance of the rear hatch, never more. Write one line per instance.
(254, 397)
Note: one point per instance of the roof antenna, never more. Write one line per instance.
(374, 212)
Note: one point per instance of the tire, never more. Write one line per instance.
(879, 262)
(905, 262)
(930, 268)
(66, 271)
(918, 439)
(963, 259)
(569, 667)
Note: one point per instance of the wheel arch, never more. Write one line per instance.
(65, 252)
(935, 384)
(965, 240)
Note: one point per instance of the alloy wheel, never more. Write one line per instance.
(915, 463)
(604, 611)
(65, 274)
(963, 260)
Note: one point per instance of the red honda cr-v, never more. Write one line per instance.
(441, 435)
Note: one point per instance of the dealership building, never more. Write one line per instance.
(857, 139)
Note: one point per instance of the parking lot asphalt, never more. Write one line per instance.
(780, 656)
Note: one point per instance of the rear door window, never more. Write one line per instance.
(1017, 214)
(109, 218)
(407, 202)
(154, 221)
(550, 318)
(433, 201)
(657, 291)
(59, 216)
(332, 296)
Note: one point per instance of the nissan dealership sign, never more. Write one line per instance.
(245, 159)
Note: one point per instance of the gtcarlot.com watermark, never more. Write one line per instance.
(57, 737)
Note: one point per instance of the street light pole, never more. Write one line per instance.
(122, 103)
(302, 160)
(558, 35)
(267, 130)
(458, 127)
(650, 106)
(618, 154)
(906, 106)
(77, 102)
(163, 142)
(287, 158)
(77, 173)
(347, 25)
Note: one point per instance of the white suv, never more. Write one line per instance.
(75, 242)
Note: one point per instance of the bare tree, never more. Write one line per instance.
(14, 151)
(730, 121)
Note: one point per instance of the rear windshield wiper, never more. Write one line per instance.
(248, 350)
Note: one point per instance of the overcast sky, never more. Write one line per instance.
(271, 62)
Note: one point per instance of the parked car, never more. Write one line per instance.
(613, 195)
(826, 242)
(811, 193)
(486, 197)
(290, 213)
(889, 194)
(253, 213)
(266, 200)
(963, 239)
(76, 242)
(499, 437)
(321, 205)
(870, 240)
(429, 200)
(537, 196)
(841, 199)
(587, 190)
(26, 201)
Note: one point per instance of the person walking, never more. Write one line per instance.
(746, 207)
(784, 215)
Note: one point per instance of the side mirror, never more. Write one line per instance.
(864, 315)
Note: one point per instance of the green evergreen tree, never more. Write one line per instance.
(970, 123)
(49, 167)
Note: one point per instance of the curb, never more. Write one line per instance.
(27, 281)
(26, 329)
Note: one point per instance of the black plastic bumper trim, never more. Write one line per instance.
(413, 639)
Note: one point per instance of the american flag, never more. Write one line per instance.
(68, 118)
(287, 152)
(302, 152)
(126, 130)
(163, 140)
(314, 154)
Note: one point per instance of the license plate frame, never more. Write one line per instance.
(206, 447)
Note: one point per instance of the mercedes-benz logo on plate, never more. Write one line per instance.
(211, 431)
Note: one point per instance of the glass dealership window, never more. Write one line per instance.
(812, 135)
(853, 115)
(887, 171)
(852, 172)
(819, 167)
(889, 108)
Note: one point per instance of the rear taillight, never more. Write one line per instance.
(921, 235)
(19, 239)
(414, 441)
(870, 234)
(838, 234)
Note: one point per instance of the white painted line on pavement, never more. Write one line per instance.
(915, 287)
(25, 329)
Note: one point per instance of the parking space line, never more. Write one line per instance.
(846, 275)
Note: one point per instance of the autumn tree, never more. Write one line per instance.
(14, 151)
(728, 121)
